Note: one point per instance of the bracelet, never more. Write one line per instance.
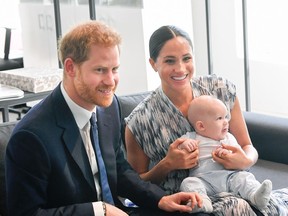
(104, 208)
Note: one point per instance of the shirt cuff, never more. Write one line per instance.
(98, 209)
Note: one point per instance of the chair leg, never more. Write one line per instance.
(16, 112)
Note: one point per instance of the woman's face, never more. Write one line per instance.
(174, 64)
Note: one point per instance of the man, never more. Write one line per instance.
(52, 169)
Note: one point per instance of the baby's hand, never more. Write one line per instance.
(189, 145)
(220, 151)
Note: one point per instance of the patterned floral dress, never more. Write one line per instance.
(156, 123)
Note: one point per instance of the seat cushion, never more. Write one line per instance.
(5, 132)
(276, 172)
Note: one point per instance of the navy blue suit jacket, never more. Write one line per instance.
(47, 168)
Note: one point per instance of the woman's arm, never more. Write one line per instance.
(246, 156)
(175, 159)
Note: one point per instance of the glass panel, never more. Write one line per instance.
(267, 49)
(122, 3)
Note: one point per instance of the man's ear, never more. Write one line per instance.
(70, 67)
(153, 64)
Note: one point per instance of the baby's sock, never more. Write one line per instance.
(260, 198)
(206, 205)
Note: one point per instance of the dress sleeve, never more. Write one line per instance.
(216, 86)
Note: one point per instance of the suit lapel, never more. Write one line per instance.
(105, 126)
(75, 146)
(106, 141)
(71, 137)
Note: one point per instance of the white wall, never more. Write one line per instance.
(134, 24)
(267, 49)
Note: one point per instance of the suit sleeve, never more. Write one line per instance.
(130, 185)
(27, 171)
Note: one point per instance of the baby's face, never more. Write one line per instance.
(216, 123)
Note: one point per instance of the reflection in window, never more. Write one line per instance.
(124, 3)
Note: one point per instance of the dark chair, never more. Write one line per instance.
(7, 64)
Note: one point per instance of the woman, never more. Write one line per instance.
(154, 127)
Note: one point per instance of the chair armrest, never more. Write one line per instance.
(269, 135)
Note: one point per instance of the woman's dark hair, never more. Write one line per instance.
(162, 35)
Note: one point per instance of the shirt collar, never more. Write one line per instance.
(81, 115)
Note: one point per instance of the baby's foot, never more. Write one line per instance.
(261, 196)
(206, 205)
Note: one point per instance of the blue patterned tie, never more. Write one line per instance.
(106, 192)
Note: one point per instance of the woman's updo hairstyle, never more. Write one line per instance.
(162, 35)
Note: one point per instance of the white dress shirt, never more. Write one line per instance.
(82, 118)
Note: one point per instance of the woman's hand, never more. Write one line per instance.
(178, 201)
(189, 144)
(240, 158)
(232, 157)
(178, 158)
(221, 152)
(174, 159)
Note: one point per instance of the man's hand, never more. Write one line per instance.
(178, 201)
(114, 211)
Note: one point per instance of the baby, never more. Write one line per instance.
(210, 119)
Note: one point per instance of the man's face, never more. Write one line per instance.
(96, 79)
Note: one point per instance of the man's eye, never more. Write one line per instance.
(100, 70)
(115, 70)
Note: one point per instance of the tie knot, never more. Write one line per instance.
(93, 119)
